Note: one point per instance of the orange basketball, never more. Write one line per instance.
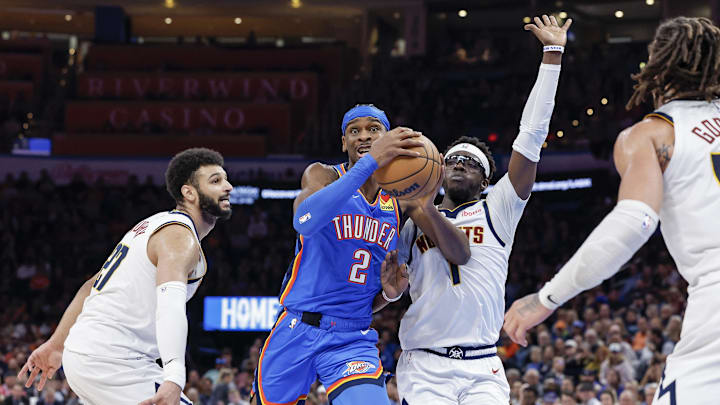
(407, 178)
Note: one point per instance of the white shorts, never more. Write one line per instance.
(427, 378)
(105, 381)
(692, 371)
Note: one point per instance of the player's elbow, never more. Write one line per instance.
(460, 256)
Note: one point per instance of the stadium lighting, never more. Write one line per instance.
(560, 134)
(642, 65)
(545, 144)
(619, 14)
(169, 3)
(526, 20)
(575, 123)
(562, 15)
(649, 2)
(71, 51)
(238, 20)
(168, 20)
(589, 111)
(603, 101)
(30, 115)
(68, 17)
(295, 3)
(462, 13)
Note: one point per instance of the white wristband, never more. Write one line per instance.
(554, 48)
(391, 299)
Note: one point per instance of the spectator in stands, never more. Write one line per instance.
(628, 398)
(649, 393)
(222, 387)
(586, 394)
(608, 398)
(17, 396)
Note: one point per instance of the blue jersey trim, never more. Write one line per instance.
(489, 221)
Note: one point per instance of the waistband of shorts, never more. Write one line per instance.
(329, 322)
(464, 352)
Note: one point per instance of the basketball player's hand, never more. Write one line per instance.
(167, 394)
(523, 315)
(548, 31)
(43, 361)
(393, 144)
(428, 201)
(394, 276)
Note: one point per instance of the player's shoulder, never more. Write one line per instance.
(653, 126)
(319, 171)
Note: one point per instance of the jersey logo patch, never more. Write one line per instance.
(140, 228)
(305, 218)
(357, 367)
(456, 353)
(386, 203)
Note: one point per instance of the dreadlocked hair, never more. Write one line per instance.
(480, 145)
(684, 62)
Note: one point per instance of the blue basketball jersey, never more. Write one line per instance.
(336, 271)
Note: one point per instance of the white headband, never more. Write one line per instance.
(473, 150)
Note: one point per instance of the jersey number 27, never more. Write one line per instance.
(112, 263)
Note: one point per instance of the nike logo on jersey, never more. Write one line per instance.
(549, 297)
(365, 332)
(495, 371)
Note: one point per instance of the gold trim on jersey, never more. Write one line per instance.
(662, 117)
(716, 170)
(459, 206)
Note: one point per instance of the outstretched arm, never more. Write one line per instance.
(613, 242)
(535, 121)
(47, 358)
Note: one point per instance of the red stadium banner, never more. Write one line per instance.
(330, 60)
(181, 117)
(300, 87)
(13, 90)
(21, 66)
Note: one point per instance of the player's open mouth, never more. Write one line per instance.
(457, 177)
(363, 149)
(225, 200)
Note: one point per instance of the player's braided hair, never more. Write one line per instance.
(684, 62)
(480, 145)
(183, 166)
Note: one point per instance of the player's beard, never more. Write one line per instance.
(211, 207)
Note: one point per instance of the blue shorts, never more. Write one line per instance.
(341, 353)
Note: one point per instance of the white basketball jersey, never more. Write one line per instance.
(118, 317)
(462, 305)
(690, 213)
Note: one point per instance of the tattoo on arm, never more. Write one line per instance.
(663, 154)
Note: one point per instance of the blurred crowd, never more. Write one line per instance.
(607, 345)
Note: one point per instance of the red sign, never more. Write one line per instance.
(20, 66)
(300, 87)
(182, 117)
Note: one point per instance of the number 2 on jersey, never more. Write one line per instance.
(357, 271)
(112, 263)
(715, 157)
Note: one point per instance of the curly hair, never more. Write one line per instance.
(684, 62)
(181, 169)
(480, 145)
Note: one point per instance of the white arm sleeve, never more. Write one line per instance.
(171, 327)
(535, 121)
(613, 242)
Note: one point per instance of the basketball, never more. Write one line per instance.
(407, 178)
